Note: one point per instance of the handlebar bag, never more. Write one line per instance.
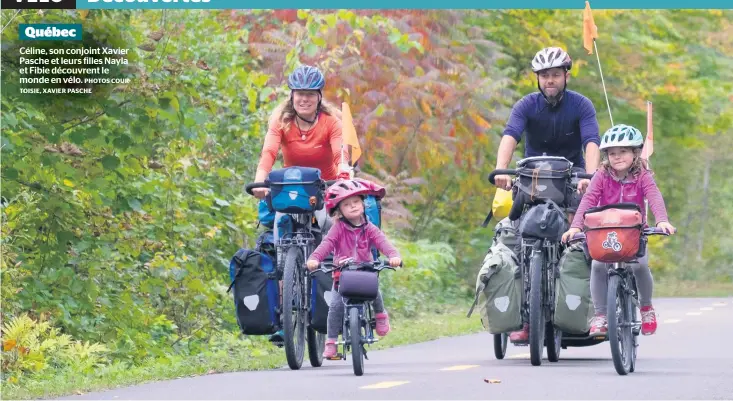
(296, 190)
(544, 178)
(359, 285)
(613, 232)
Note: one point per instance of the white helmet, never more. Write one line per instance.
(551, 57)
(622, 135)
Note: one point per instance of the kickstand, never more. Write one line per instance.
(363, 349)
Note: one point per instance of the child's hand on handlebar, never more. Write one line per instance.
(668, 228)
(569, 234)
(395, 262)
(311, 264)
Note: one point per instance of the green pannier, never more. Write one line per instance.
(573, 303)
(499, 291)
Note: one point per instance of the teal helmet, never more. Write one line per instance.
(622, 135)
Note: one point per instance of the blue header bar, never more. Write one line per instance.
(405, 4)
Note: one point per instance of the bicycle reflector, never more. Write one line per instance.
(312, 200)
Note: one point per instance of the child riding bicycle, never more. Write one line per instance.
(351, 236)
(623, 177)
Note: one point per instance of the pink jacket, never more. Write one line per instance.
(605, 189)
(346, 241)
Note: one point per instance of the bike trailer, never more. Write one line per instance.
(254, 281)
(573, 303)
(295, 190)
(499, 291)
(613, 232)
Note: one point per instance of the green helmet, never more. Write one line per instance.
(622, 135)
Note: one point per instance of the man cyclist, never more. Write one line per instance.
(558, 122)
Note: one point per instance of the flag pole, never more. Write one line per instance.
(603, 82)
(649, 131)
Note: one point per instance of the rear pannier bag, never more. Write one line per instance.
(321, 285)
(573, 303)
(256, 295)
(499, 291)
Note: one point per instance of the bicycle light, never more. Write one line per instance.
(312, 200)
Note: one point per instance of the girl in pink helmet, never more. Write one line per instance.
(351, 236)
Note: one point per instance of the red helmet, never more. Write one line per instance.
(343, 189)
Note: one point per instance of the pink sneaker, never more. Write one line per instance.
(330, 350)
(648, 321)
(598, 326)
(382, 324)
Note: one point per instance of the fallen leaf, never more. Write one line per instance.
(492, 381)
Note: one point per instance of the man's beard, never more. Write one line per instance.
(554, 99)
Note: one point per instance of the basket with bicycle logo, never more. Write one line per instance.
(614, 233)
(295, 190)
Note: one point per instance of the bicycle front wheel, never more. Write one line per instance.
(620, 335)
(294, 308)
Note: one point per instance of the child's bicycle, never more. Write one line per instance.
(358, 284)
(623, 301)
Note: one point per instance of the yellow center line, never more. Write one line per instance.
(383, 385)
(460, 367)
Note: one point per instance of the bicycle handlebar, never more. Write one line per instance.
(494, 173)
(377, 265)
(646, 232)
(252, 185)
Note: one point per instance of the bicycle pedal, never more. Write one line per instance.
(336, 357)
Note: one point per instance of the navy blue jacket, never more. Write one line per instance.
(561, 131)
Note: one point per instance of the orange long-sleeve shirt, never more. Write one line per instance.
(321, 148)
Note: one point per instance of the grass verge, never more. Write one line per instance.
(666, 287)
(230, 353)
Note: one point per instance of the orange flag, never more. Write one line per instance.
(349, 133)
(590, 30)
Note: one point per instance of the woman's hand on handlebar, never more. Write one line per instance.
(569, 234)
(503, 181)
(260, 193)
(395, 262)
(668, 228)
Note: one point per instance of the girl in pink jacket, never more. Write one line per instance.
(352, 236)
(623, 177)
